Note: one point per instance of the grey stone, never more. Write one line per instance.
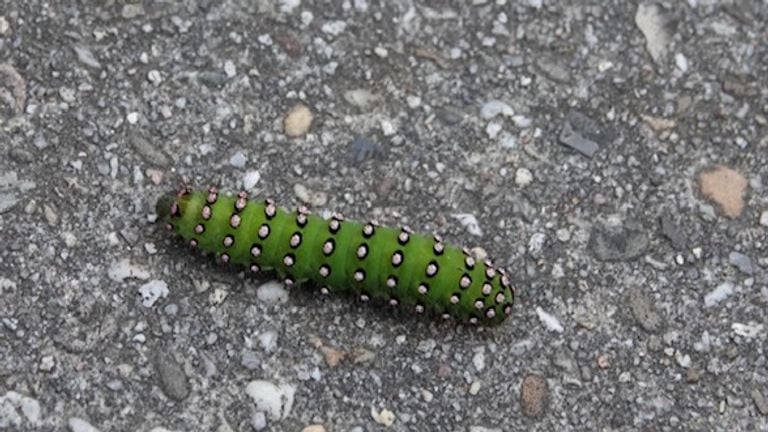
(644, 309)
(173, 381)
(581, 133)
(618, 242)
(741, 262)
(672, 231)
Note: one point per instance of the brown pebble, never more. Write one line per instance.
(297, 121)
(692, 375)
(332, 355)
(534, 394)
(724, 187)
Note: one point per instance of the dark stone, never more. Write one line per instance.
(364, 148)
(582, 134)
(644, 310)
(618, 243)
(173, 381)
(149, 153)
(672, 231)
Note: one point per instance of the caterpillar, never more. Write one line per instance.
(375, 263)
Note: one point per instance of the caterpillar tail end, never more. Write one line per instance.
(163, 206)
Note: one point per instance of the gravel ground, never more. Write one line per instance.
(613, 158)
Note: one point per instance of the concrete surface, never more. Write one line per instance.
(613, 155)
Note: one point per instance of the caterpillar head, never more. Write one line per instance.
(172, 205)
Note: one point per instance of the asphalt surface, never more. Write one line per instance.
(612, 157)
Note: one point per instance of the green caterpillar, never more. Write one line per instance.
(394, 266)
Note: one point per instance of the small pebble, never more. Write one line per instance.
(76, 424)
(47, 363)
(238, 160)
(251, 179)
(719, 294)
(764, 218)
(523, 177)
(298, 121)
(493, 108)
(381, 52)
(478, 360)
(534, 395)
(153, 291)
(724, 187)
(154, 77)
(384, 417)
(741, 262)
(272, 292)
(132, 117)
(276, 401)
(259, 421)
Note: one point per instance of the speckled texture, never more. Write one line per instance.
(554, 135)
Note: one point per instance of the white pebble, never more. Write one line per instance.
(153, 291)
(251, 179)
(76, 424)
(150, 248)
(493, 129)
(47, 363)
(334, 28)
(287, 6)
(719, 294)
(217, 296)
(427, 395)
(507, 140)
(549, 321)
(268, 341)
(306, 18)
(523, 177)
(274, 400)
(764, 218)
(265, 39)
(474, 388)
(495, 107)
(478, 360)
(388, 127)
(238, 160)
(315, 199)
(230, 69)
(413, 101)
(470, 223)
(259, 421)
(132, 117)
(272, 292)
(563, 234)
(684, 360)
(681, 62)
(69, 239)
(384, 417)
(381, 51)
(750, 330)
(154, 77)
(522, 121)
(536, 243)
(124, 269)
